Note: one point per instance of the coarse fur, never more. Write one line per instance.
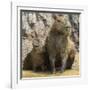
(58, 42)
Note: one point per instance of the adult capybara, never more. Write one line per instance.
(58, 42)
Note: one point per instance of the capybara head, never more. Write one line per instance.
(61, 24)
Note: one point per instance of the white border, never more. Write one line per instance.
(15, 79)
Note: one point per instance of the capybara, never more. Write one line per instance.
(58, 42)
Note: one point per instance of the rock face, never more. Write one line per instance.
(74, 20)
(35, 28)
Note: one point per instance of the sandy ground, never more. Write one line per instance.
(28, 73)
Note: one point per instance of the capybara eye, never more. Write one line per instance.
(44, 20)
(59, 20)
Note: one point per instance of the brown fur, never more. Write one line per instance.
(59, 44)
(37, 58)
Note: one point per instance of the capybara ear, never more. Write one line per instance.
(54, 16)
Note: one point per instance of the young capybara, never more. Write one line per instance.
(38, 56)
(57, 42)
(37, 59)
